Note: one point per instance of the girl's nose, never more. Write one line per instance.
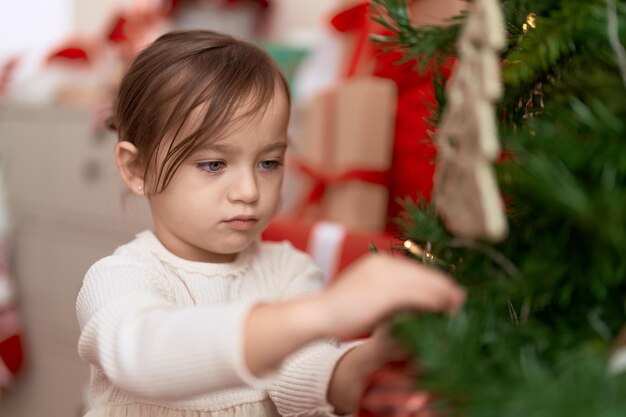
(244, 188)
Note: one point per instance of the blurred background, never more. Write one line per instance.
(62, 204)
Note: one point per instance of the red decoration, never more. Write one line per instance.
(414, 152)
(134, 28)
(11, 349)
(70, 53)
(11, 353)
(117, 34)
(412, 170)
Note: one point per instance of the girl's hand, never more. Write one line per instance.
(365, 294)
(353, 370)
(377, 286)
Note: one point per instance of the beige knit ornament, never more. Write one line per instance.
(466, 193)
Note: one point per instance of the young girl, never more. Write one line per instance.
(198, 317)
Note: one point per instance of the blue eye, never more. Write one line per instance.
(269, 164)
(212, 166)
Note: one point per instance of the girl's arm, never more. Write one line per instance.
(364, 295)
(325, 378)
(145, 344)
(134, 331)
(275, 330)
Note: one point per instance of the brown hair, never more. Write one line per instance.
(178, 73)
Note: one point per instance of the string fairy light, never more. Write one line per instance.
(427, 257)
(531, 22)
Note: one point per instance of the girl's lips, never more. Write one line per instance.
(242, 223)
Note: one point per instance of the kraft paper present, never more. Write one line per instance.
(347, 144)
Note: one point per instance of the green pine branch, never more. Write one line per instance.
(422, 45)
(546, 304)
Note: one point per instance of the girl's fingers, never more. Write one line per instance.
(386, 285)
(435, 292)
(426, 288)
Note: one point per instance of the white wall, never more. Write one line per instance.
(29, 28)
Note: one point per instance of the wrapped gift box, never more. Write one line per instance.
(331, 245)
(346, 144)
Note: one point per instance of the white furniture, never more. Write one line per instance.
(68, 209)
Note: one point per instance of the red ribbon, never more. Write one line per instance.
(356, 18)
(322, 180)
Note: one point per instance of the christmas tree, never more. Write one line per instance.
(542, 332)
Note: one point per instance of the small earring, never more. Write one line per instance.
(140, 188)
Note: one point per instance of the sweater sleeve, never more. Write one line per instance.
(150, 347)
(301, 386)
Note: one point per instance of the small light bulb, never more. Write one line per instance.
(413, 248)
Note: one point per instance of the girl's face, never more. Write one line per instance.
(224, 195)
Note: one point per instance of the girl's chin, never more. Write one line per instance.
(235, 246)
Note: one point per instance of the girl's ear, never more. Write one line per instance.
(127, 159)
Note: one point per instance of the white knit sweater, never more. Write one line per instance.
(164, 334)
